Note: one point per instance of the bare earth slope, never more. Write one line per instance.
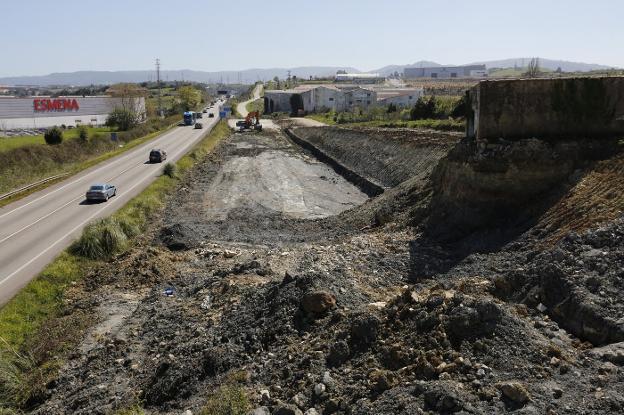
(312, 299)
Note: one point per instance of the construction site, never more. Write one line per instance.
(310, 269)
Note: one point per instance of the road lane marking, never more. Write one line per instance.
(116, 160)
(66, 204)
(184, 149)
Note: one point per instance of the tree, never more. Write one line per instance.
(83, 133)
(129, 110)
(533, 70)
(189, 97)
(122, 119)
(53, 136)
(391, 108)
(423, 109)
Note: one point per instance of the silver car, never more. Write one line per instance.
(101, 192)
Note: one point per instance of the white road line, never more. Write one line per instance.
(131, 153)
(62, 206)
(81, 224)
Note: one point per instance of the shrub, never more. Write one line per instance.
(83, 133)
(53, 136)
(228, 400)
(101, 239)
(122, 119)
(460, 109)
(170, 170)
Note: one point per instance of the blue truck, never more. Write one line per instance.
(189, 118)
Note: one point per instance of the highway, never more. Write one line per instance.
(37, 228)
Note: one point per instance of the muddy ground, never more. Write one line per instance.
(287, 282)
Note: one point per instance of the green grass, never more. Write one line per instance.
(27, 322)
(227, 400)
(257, 105)
(10, 143)
(29, 171)
(433, 124)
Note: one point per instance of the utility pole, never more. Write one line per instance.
(160, 111)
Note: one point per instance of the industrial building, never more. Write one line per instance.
(360, 78)
(446, 72)
(338, 97)
(36, 112)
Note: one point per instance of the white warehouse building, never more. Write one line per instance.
(18, 113)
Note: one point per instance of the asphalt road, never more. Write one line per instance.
(34, 230)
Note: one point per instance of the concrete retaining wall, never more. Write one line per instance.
(547, 108)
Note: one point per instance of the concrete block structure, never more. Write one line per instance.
(547, 108)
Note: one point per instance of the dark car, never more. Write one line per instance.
(205, 111)
(199, 114)
(157, 156)
(211, 115)
(198, 126)
(101, 192)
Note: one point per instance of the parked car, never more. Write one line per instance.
(199, 114)
(211, 115)
(101, 192)
(198, 126)
(205, 111)
(157, 156)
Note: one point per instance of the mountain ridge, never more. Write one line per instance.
(251, 75)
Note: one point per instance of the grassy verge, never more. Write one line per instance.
(23, 173)
(10, 143)
(31, 344)
(257, 105)
(442, 125)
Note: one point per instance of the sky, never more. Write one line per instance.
(38, 37)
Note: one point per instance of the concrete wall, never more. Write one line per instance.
(20, 113)
(547, 108)
(360, 97)
(403, 100)
(328, 99)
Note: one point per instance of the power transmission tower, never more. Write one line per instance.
(160, 111)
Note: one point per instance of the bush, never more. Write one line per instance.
(228, 400)
(53, 136)
(83, 133)
(122, 119)
(170, 170)
(460, 109)
(102, 239)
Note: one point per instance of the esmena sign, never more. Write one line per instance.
(59, 104)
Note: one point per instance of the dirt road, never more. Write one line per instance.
(242, 107)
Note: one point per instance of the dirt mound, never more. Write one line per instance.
(491, 185)
(317, 314)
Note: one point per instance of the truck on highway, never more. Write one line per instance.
(189, 118)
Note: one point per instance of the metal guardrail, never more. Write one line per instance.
(30, 186)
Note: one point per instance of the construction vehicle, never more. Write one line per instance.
(251, 121)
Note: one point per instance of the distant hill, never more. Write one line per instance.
(390, 69)
(551, 64)
(249, 76)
